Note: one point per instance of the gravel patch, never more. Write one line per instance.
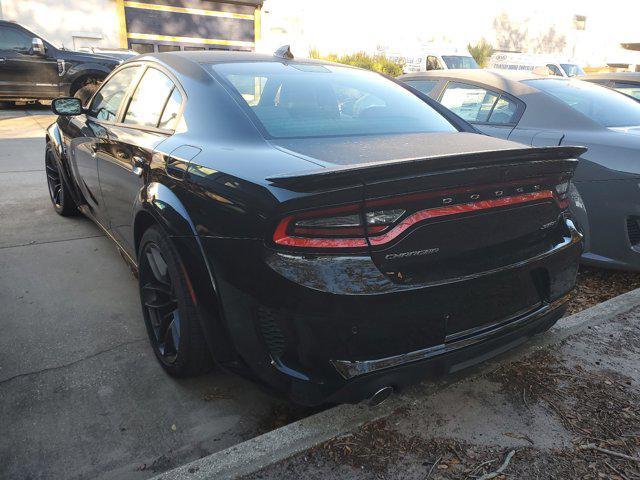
(596, 285)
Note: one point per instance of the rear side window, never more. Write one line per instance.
(153, 94)
(12, 39)
(424, 86)
(479, 105)
(302, 100)
(504, 112)
(107, 101)
(169, 117)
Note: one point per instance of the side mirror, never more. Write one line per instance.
(67, 106)
(37, 47)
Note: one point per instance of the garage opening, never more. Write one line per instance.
(171, 25)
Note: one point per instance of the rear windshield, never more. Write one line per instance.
(298, 100)
(602, 105)
(458, 61)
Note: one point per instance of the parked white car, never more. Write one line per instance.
(560, 67)
(435, 57)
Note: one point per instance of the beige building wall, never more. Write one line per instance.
(72, 23)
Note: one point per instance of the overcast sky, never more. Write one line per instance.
(347, 25)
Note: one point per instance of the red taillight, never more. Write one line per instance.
(384, 220)
(340, 227)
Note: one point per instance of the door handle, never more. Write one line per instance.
(138, 163)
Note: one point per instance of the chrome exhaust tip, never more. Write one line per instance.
(380, 396)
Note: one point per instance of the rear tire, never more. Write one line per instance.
(169, 311)
(85, 92)
(59, 193)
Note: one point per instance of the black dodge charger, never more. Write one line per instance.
(318, 228)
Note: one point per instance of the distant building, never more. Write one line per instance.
(587, 32)
(144, 26)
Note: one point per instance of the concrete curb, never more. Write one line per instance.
(259, 452)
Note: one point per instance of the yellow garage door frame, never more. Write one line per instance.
(125, 36)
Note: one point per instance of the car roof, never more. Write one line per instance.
(634, 76)
(506, 80)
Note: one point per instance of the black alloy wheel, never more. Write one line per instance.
(160, 302)
(62, 201)
(170, 314)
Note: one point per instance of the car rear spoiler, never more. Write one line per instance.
(356, 174)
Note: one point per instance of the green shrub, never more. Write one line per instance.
(481, 52)
(377, 63)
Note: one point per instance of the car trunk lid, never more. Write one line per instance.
(453, 215)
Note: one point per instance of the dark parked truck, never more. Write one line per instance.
(313, 226)
(32, 68)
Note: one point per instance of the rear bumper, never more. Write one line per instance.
(613, 225)
(350, 370)
(336, 329)
(453, 358)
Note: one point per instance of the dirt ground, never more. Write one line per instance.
(567, 412)
(595, 285)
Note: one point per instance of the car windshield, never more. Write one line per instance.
(301, 100)
(602, 105)
(457, 61)
(571, 69)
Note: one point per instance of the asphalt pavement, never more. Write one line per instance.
(81, 394)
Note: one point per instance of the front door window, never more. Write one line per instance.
(107, 101)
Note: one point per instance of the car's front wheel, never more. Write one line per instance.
(169, 309)
(85, 92)
(61, 198)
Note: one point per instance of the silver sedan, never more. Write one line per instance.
(542, 111)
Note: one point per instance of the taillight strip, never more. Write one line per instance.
(457, 209)
(345, 232)
(282, 238)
